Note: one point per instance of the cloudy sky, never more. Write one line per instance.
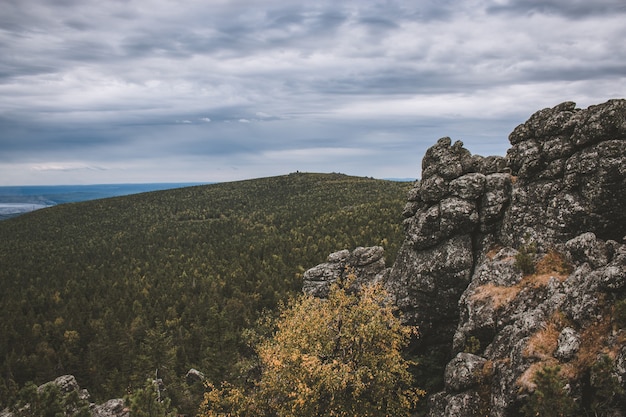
(130, 91)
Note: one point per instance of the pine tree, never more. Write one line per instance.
(550, 399)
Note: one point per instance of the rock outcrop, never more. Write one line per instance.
(514, 264)
(570, 170)
(68, 387)
(518, 262)
(367, 264)
(452, 214)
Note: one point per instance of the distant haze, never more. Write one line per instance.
(17, 200)
(151, 91)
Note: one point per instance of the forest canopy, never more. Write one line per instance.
(111, 290)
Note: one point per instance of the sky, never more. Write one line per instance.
(139, 91)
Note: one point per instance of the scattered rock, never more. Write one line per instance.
(569, 343)
(111, 408)
(193, 375)
(464, 371)
(367, 264)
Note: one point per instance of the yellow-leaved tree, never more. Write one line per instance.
(340, 356)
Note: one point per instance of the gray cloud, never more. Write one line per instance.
(572, 9)
(152, 91)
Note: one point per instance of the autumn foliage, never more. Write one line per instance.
(339, 356)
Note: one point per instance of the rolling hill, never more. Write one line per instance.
(114, 290)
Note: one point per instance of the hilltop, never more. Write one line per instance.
(110, 290)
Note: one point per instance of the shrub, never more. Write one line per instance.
(550, 398)
(148, 402)
(619, 314)
(339, 356)
(525, 258)
(607, 391)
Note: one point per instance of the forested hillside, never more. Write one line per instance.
(112, 290)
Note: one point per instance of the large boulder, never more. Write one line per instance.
(570, 169)
(367, 264)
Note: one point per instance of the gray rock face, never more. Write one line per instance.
(561, 187)
(450, 215)
(569, 344)
(111, 408)
(368, 265)
(464, 371)
(67, 384)
(570, 166)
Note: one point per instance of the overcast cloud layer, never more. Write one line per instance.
(170, 91)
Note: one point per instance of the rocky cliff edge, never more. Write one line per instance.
(514, 264)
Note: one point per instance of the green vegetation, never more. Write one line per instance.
(49, 401)
(525, 258)
(149, 402)
(619, 313)
(550, 398)
(607, 392)
(343, 360)
(111, 290)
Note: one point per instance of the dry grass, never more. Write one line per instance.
(555, 264)
(503, 295)
(498, 295)
(493, 252)
(552, 264)
(593, 341)
(539, 280)
(543, 343)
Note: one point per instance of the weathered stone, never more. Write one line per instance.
(525, 159)
(433, 189)
(458, 216)
(495, 199)
(545, 123)
(67, 384)
(111, 408)
(599, 122)
(569, 343)
(566, 189)
(445, 160)
(193, 376)
(410, 209)
(581, 156)
(339, 256)
(428, 283)
(367, 264)
(586, 248)
(366, 256)
(469, 186)
(459, 405)
(414, 193)
(464, 371)
(490, 164)
(478, 309)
